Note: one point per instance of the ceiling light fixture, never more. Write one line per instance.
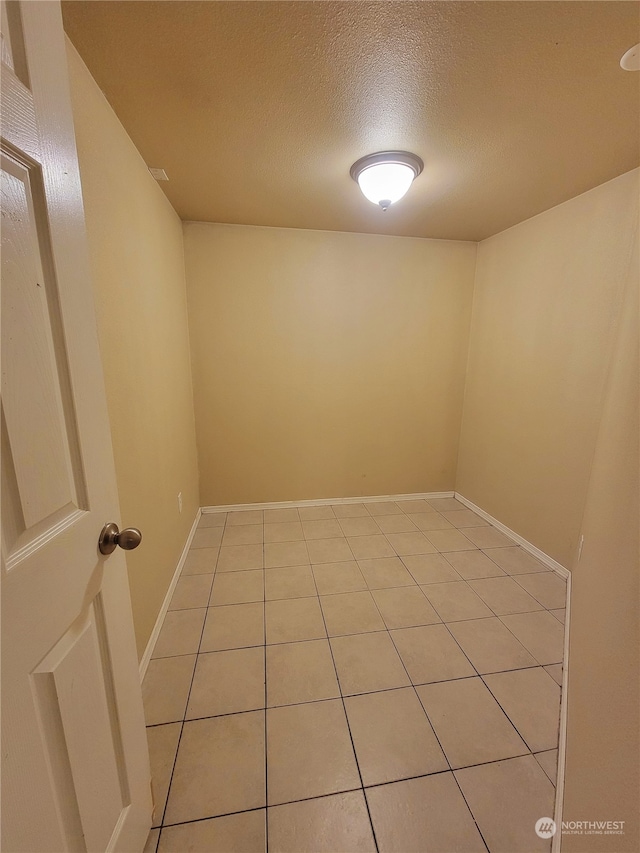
(631, 60)
(384, 178)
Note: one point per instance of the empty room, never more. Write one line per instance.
(320, 426)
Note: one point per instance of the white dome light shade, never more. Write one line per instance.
(386, 182)
(385, 178)
(631, 60)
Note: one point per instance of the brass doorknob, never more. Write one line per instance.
(129, 538)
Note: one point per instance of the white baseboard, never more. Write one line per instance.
(562, 741)
(146, 657)
(527, 546)
(327, 502)
(564, 573)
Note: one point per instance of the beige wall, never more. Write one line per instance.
(602, 743)
(325, 364)
(136, 251)
(547, 295)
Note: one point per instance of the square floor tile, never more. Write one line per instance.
(426, 814)
(360, 526)
(180, 633)
(515, 560)
(490, 646)
(392, 736)
(201, 561)
(473, 564)
(449, 540)
(233, 626)
(227, 682)
(246, 516)
(445, 504)
(339, 822)
(321, 529)
(213, 519)
(166, 687)
(329, 550)
(315, 513)
(243, 534)
(455, 601)
(487, 537)
(349, 510)
(207, 537)
(546, 587)
(540, 633)
(280, 554)
(382, 508)
(410, 543)
(285, 531)
(245, 832)
(555, 671)
(338, 577)
(469, 723)
(281, 516)
(430, 521)
(431, 654)
(294, 619)
(220, 767)
(464, 518)
(506, 799)
(309, 751)
(503, 595)
(191, 591)
(549, 762)
(531, 700)
(399, 523)
(235, 558)
(163, 745)
(238, 587)
(300, 672)
(351, 613)
(370, 547)
(431, 568)
(404, 607)
(289, 582)
(385, 572)
(367, 662)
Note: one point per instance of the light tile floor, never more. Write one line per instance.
(380, 676)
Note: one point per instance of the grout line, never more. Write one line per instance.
(517, 730)
(266, 733)
(328, 639)
(476, 674)
(435, 734)
(346, 716)
(195, 668)
(453, 771)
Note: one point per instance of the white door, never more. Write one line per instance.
(75, 768)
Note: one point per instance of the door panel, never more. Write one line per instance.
(75, 769)
(36, 399)
(73, 688)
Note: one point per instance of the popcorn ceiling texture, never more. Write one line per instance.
(258, 110)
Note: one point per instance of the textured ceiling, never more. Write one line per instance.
(256, 110)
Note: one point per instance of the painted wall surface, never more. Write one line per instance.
(136, 251)
(546, 299)
(602, 732)
(325, 364)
